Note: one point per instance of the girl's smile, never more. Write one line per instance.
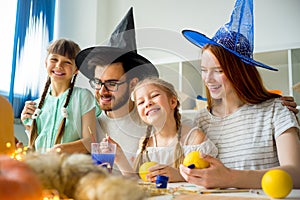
(152, 111)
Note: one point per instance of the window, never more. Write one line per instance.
(7, 23)
(28, 26)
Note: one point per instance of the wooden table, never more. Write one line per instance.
(192, 192)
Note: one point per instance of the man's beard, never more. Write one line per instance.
(117, 103)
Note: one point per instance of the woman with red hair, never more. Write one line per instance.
(251, 128)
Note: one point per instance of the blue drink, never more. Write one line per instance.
(103, 154)
(100, 158)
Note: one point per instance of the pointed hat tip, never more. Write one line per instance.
(124, 34)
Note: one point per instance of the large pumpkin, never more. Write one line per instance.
(7, 139)
(18, 181)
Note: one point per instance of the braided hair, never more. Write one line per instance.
(170, 91)
(69, 49)
(140, 159)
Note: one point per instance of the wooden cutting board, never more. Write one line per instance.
(7, 138)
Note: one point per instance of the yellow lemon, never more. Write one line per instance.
(144, 169)
(277, 183)
(194, 157)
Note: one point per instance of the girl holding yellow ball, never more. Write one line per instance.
(168, 140)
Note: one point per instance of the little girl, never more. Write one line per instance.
(63, 118)
(167, 139)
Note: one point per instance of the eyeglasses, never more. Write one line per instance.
(109, 85)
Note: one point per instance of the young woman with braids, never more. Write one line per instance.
(167, 139)
(60, 120)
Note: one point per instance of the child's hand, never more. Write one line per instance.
(58, 148)
(164, 170)
(19, 144)
(28, 110)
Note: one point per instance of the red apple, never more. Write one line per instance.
(18, 181)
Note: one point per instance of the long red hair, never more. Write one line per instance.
(244, 78)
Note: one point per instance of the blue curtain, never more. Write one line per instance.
(33, 31)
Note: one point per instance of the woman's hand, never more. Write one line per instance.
(215, 176)
(165, 170)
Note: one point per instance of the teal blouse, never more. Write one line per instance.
(81, 102)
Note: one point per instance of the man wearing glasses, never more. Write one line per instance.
(113, 71)
(113, 80)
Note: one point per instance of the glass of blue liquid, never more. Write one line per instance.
(103, 154)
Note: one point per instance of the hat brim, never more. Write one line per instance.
(110, 54)
(201, 40)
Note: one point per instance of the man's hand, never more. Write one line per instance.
(290, 103)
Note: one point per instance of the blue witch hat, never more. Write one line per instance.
(236, 36)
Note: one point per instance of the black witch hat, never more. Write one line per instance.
(120, 48)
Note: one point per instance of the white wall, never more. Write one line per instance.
(91, 22)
